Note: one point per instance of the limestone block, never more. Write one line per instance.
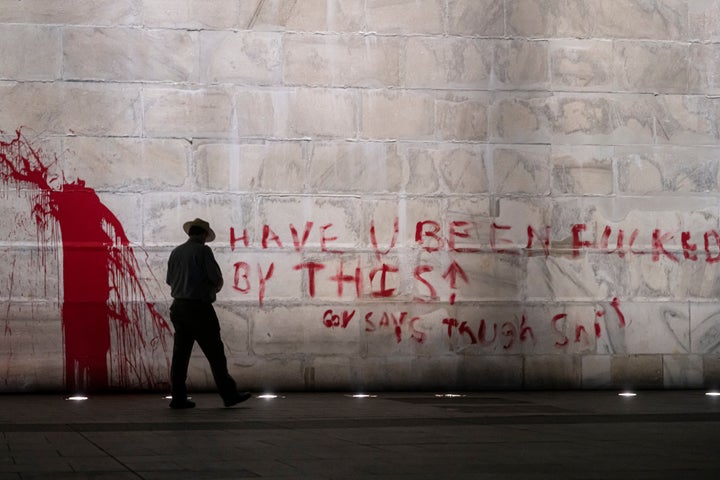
(263, 278)
(520, 118)
(74, 12)
(447, 62)
(234, 326)
(510, 328)
(602, 119)
(423, 224)
(552, 371)
(682, 371)
(334, 222)
(462, 116)
(421, 176)
(308, 16)
(270, 374)
(581, 64)
(127, 209)
(586, 170)
(651, 66)
(596, 371)
(30, 274)
(469, 277)
(652, 170)
(682, 280)
(521, 64)
(165, 213)
(384, 226)
(687, 120)
(71, 108)
(240, 57)
(521, 170)
(259, 113)
(262, 167)
(332, 373)
(19, 228)
(704, 20)
(153, 270)
(322, 113)
(581, 225)
(636, 371)
(490, 372)
(404, 16)
(636, 328)
(548, 18)
(704, 74)
(588, 278)
(300, 330)
(403, 330)
(30, 327)
(340, 61)
(659, 20)
(475, 212)
(476, 17)
(705, 328)
(197, 14)
(174, 112)
(40, 55)
(402, 373)
(458, 167)
(126, 164)
(396, 115)
(362, 167)
(31, 373)
(711, 371)
(512, 217)
(129, 54)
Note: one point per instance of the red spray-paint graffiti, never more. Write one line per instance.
(113, 337)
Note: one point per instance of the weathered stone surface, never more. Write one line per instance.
(404, 16)
(582, 170)
(581, 64)
(129, 54)
(452, 62)
(341, 61)
(40, 60)
(240, 57)
(406, 193)
(266, 167)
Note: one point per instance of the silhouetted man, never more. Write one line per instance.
(195, 278)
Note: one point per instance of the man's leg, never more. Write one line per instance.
(183, 341)
(214, 350)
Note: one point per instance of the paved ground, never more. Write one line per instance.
(418, 436)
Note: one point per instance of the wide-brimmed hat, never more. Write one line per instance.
(199, 222)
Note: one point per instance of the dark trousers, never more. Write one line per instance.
(196, 321)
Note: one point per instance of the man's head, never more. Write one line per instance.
(199, 227)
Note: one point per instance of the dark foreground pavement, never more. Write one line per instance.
(418, 436)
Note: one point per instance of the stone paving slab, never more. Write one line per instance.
(479, 435)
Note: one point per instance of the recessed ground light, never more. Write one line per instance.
(449, 395)
(713, 394)
(267, 396)
(627, 394)
(363, 395)
(76, 398)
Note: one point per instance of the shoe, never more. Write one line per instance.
(239, 398)
(178, 404)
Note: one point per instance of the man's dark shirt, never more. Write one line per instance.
(193, 273)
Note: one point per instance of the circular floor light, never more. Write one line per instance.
(76, 398)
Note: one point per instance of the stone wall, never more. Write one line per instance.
(433, 194)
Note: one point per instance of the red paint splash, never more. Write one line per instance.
(113, 337)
